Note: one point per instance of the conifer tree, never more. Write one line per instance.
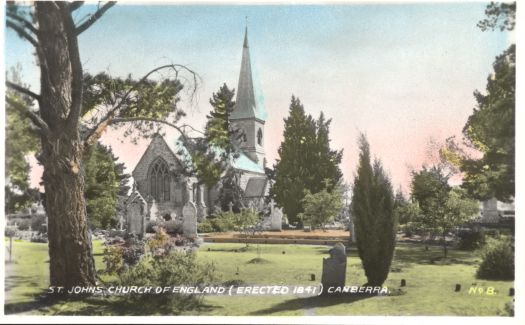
(212, 153)
(293, 170)
(375, 224)
(327, 160)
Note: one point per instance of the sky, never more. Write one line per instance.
(400, 73)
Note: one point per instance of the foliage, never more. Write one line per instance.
(375, 224)
(205, 226)
(24, 224)
(497, 259)
(172, 227)
(171, 269)
(442, 207)
(21, 140)
(305, 160)
(38, 223)
(230, 221)
(321, 207)
(113, 259)
(470, 239)
(491, 130)
(499, 15)
(102, 186)
(133, 250)
(212, 154)
(231, 191)
(407, 212)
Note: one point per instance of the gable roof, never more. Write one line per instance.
(255, 187)
(241, 162)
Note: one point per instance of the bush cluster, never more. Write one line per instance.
(471, 239)
(229, 221)
(38, 223)
(497, 259)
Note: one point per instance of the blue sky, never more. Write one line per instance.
(401, 73)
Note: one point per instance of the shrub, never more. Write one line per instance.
(113, 259)
(38, 223)
(23, 224)
(172, 227)
(471, 239)
(205, 226)
(133, 250)
(224, 221)
(168, 270)
(150, 226)
(40, 238)
(497, 259)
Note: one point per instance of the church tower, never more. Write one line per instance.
(249, 114)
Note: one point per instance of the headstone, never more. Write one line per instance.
(189, 223)
(121, 222)
(136, 215)
(201, 205)
(230, 206)
(458, 287)
(334, 268)
(153, 211)
(276, 217)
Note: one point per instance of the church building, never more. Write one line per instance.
(159, 173)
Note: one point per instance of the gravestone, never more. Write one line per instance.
(153, 211)
(136, 215)
(334, 268)
(189, 223)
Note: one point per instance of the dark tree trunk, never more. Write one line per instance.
(70, 252)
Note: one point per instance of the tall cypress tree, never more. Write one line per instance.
(372, 208)
(293, 170)
(326, 160)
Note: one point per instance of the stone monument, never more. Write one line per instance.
(136, 211)
(153, 211)
(189, 222)
(334, 268)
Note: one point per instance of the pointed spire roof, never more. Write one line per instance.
(249, 102)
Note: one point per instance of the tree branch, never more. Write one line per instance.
(75, 5)
(95, 133)
(43, 128)
(22, 33)
(94, 17)
(111, 113)
(25, 22)
(22, 90)
(148, 119)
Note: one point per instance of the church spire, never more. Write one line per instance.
(248, 102)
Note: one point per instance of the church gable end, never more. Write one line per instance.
(157, 151)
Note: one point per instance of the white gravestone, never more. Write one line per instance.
(153, 211)
(189, 223)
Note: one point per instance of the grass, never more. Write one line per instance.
(429, 290)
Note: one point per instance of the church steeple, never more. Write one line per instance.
(249, 114)
(249, 102)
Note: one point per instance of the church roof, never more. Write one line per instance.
(255, 187)
(249, 101)
(241, 162)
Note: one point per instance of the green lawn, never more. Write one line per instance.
(429, 290)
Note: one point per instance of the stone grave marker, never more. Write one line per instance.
(189, 223)
(334, 268)
(136, 215)
(276, 217)
(153, 211)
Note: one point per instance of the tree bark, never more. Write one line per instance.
(70, 251)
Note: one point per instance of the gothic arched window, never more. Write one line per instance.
(259, 137)
(159, 181)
